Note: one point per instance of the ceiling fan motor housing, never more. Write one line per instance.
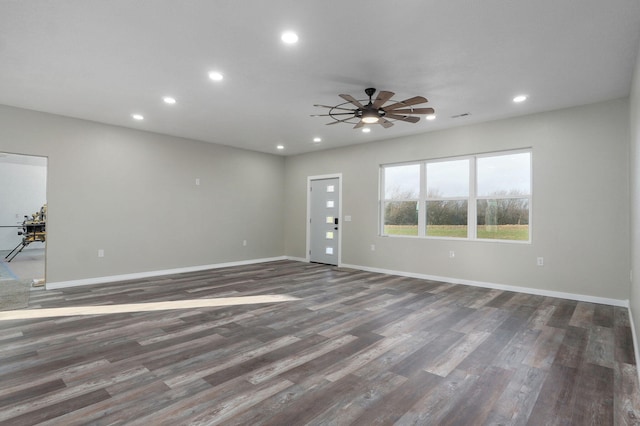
(369, 111)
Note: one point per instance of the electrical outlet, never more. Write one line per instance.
(373, 247)
(197, 181)
(452, 254)
(244, 243)
(540, 261)
(100, 252)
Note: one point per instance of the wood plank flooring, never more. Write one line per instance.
(356, 348)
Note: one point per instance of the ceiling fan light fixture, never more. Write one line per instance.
(370, 116)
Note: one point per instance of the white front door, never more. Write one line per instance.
(324, 226)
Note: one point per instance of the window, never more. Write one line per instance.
(504, 188)
(401, 199)
(476, 197)
(447, 198)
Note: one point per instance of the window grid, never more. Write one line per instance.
(472, 199)
(472, 230)
(422, 205)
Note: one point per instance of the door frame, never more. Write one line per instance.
(321, 177)
(46, 192)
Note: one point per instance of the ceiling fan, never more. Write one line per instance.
(375, 111)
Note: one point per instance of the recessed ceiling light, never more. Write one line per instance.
(169, 100)
(280, 147)
(137, 117)
(215, 76)
(366, 130)
(289, 37)
(431, 117)
(520, 98)
(316, 140)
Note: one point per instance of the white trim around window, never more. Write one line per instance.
(482, 197)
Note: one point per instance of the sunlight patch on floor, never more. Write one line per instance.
(142, 307)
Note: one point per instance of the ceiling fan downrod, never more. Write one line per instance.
(369, 113)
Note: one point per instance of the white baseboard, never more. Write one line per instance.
(527, 290)
(141, 275)
(635, 343)
(298, 259)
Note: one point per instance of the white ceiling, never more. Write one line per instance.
(103, 60)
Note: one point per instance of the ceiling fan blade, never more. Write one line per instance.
(382, 98)
(408, 118)
(414, 111)
(334, 107)
(385, 123)
(407, 102)
(360, 124)
(351, 99)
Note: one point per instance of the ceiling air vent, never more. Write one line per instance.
(465, 114)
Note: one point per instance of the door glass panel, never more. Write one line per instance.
(331, 188)
(329, 235)
(330, 204)
(329, 250)
(329, 219)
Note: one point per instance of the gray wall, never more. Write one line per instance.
(635, 196)
(133, 194)
(580, 203)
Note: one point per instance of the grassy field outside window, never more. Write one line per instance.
(499, 232)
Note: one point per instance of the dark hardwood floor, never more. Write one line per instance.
(355, 348)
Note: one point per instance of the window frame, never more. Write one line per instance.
(459, 198)
(472, 199)
(383, 201)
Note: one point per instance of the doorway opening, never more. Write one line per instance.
(23, 207)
